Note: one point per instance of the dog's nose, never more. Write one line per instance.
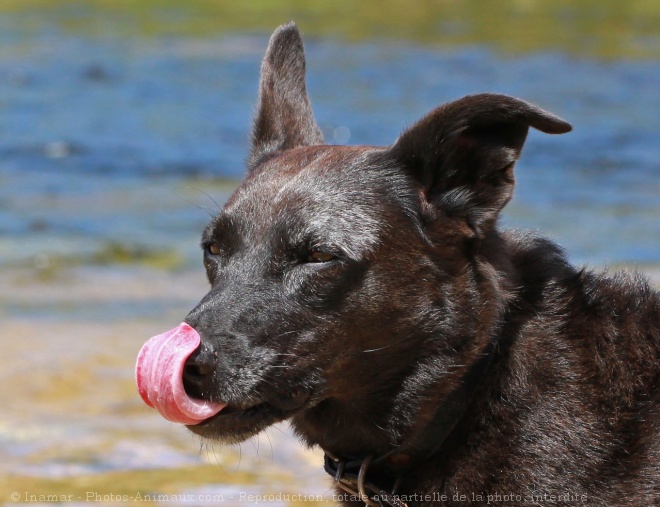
(198, 372)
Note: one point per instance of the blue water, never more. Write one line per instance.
(127, 141)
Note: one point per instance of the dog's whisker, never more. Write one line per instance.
(271, 445)
(199, 454)
(202, 208)
(255, 444)
(217, 460)
(399, 342)
(276, 426)
(277, 337)
(207, 195)
(240, 457)
(376, 350)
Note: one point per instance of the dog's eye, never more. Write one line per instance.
(214, 249)
(318, 256)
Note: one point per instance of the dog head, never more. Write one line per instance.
(347, 279)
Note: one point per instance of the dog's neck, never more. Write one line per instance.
(414, 450)
(396, 452)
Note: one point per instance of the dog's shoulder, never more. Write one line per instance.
(604, 325)
(624, 298)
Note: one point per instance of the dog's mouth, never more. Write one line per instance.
(236, 422)
(159, 376)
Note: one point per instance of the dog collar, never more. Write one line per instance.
(351, 474)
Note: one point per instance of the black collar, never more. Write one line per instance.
(350, 474)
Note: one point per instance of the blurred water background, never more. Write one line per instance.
(124, 124)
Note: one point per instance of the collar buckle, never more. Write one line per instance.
(356, 484)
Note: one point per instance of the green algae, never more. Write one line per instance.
(602, 28)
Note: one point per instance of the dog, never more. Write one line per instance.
(367, 295)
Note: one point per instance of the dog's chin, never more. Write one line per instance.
(234, 423)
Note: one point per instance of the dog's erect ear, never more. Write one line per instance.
(284, 116)
(462, 153)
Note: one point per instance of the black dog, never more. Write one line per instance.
(366, 294)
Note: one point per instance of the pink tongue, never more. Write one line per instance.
(159, 376)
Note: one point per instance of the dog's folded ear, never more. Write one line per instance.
(284, 117)
(462, 153)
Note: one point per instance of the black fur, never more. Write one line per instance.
(352, 289)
